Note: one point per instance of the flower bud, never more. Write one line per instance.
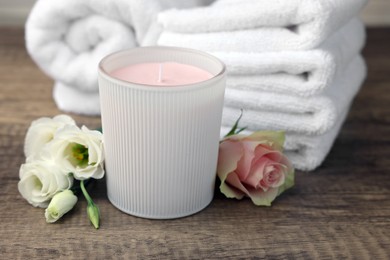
(60, 204)
(93, 214)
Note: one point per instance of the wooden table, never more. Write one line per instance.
(341, 210)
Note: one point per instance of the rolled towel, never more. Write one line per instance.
(261, 25)
(67, 39)
(70, 99)
(312, 116)
(302, 73)
(307, 152)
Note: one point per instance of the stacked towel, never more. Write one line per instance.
(315, 122)
(293, 65)
(247, 25)
(303, 73)
(67, 39)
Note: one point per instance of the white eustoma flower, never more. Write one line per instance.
(60, 204)
(42, 130)
(79, 151)
(40, 180)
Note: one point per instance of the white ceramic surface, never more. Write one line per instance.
(161, 143)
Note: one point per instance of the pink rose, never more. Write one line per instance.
(254, 166)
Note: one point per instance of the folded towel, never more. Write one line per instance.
(261, 25)
(313, 115)
(67, 39)
(307, 152)
(302, 73)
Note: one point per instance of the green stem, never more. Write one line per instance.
(92, 209)
(85, 193)
(76, 188)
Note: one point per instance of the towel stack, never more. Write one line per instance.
(293, 65)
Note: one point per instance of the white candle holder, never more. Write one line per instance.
(161, 142)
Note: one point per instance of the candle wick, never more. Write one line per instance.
(160, 73)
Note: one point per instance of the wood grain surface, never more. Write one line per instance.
(339, 211)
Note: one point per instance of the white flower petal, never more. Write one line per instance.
(42, 131)
(63, 144)
(40, 181)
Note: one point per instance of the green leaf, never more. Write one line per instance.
(240, 130)
(234, 131)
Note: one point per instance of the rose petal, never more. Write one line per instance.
(263, 151)
(275, 139)
(275, 156)
(263, 198)
(285, 161)
(231, 191)
(244, 165)
(257, 172)
(288, 182)
(259, 166)
(274, 175)
(234, 181)
(230, 153)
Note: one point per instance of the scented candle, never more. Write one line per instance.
(161, 116)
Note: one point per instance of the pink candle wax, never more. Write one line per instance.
(162, 74)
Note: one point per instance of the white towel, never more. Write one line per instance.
(302, 73)
(313, 115)
(67, 39)
(307, 151)
(70, 99)
(261, 25)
